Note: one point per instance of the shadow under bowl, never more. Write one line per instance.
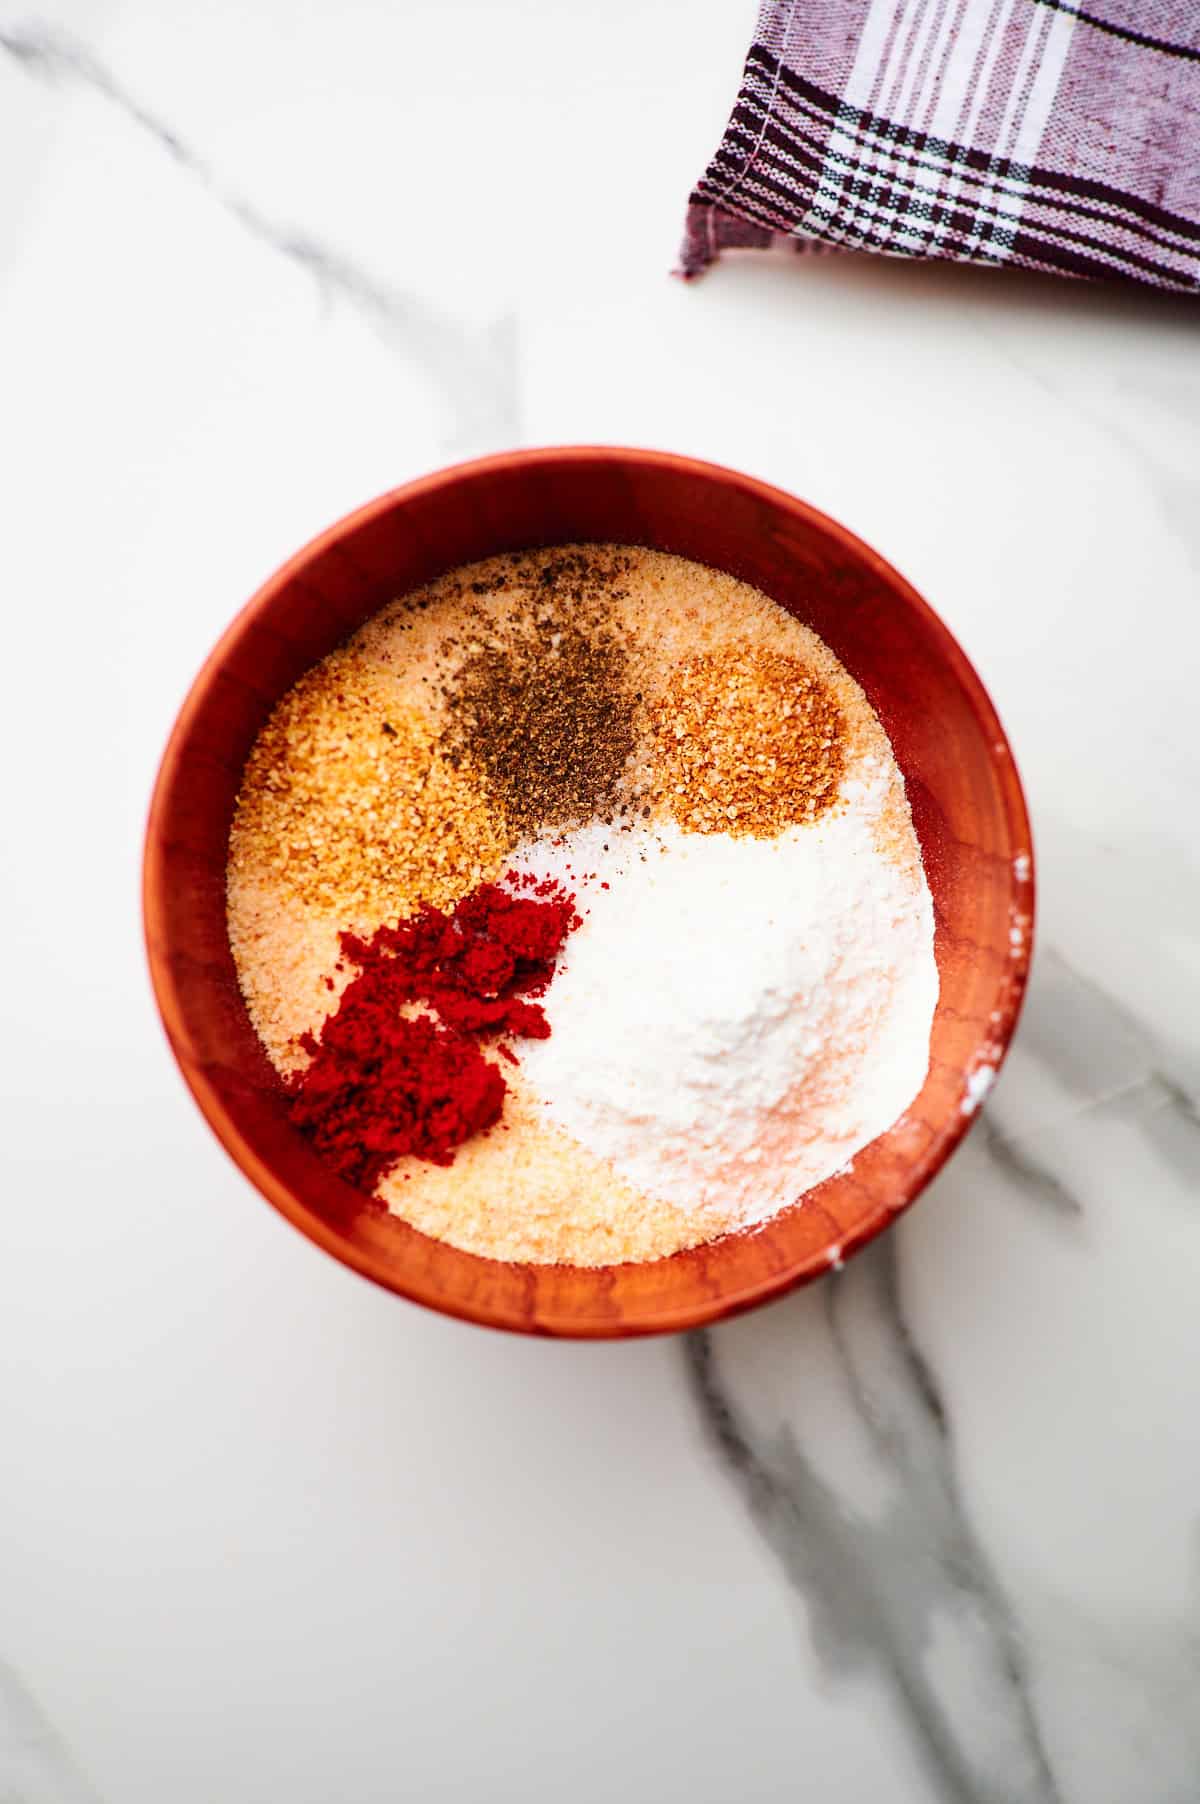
(967, 807)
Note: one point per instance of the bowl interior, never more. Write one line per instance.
(966, 801)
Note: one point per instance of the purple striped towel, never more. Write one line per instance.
(1038, 133)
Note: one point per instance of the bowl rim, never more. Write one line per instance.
(205, 1092)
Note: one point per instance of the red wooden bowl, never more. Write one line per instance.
(966, 801)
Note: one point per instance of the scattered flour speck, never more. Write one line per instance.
(979, 1082)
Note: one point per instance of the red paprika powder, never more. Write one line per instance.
(397, 1069)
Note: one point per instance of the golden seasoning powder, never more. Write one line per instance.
(349, 803)
(747, 741)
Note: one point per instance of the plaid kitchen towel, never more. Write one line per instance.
(1038, 133)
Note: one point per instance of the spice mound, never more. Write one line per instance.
(350, 799)
(577, 903)
(384, 1080)
(544, 705)
(747, 741)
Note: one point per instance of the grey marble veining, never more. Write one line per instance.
(1106, 1061)
(1015, 1162)
(1076, 1036)
(36, 1765)
(476, 373)
(1091, 1041)
(900, 1584)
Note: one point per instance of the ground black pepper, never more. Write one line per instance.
(542, 705)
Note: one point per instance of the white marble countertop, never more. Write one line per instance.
(927, 1532)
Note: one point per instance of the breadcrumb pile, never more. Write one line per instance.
(349, 800)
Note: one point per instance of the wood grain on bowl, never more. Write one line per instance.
(967, 807)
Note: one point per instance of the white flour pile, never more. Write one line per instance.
(736, 1018)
